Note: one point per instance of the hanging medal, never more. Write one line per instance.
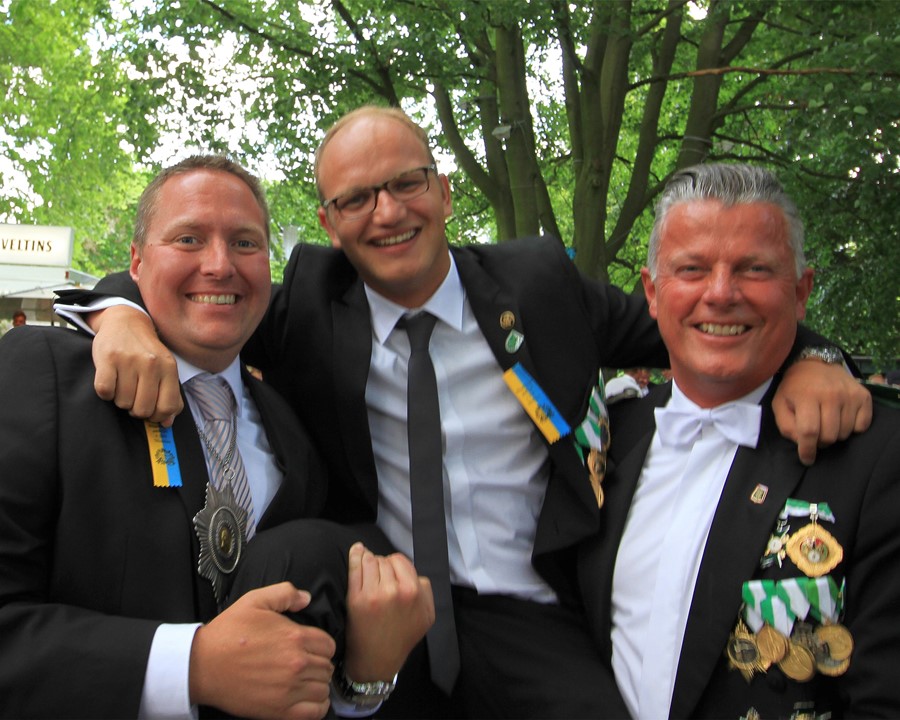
(220, 530)
(771, 617)
(221, 526)
(812, 548)
(742, 651)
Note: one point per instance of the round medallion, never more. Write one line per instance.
(837, 639)
(220, 528)
(799, 664)
(814, 550)
(224, 539)
(773, 646)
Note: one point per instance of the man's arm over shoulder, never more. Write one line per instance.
(541, 275)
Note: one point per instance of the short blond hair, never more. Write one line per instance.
(365, 111)
(147, 203)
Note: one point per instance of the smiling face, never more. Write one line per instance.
(400, 249)
(203, 269)
(726, 296)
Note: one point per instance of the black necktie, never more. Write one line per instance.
(423, 419)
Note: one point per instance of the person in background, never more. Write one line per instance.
(19, 318)
(119, 538)
(518, 341)
(729, 580)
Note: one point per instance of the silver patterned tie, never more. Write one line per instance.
(219, 432)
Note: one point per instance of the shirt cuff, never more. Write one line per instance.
(166, 694)
(74, 313)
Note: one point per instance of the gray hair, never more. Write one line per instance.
(148, 202)
(730, 184)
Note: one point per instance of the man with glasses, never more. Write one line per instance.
(518, 497)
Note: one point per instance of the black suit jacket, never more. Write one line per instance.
(93, 557)
(860, 481)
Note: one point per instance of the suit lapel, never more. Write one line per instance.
(352, 326)
(194, 477)
(289, 501)
(494, 310)
(737, 540)
(569, 512)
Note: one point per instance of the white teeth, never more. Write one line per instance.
(214, 299)
(396, 240)
(712, 329)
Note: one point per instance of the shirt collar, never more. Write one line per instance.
(681, 401)
(446, 305)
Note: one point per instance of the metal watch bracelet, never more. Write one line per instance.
(362, 694)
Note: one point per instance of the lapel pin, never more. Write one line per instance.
(507, 320)
(514, 341)
(759, 493)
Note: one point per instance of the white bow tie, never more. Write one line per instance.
(737, 422)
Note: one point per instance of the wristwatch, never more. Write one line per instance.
(364, 695)
(825, 353)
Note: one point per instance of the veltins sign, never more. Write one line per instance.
(36, 245)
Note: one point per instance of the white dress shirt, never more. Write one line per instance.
(496, 466)
(659, 558)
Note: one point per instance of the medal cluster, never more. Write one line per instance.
(794, 622)
(824, 648)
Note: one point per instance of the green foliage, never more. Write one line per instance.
(70, 129)
(603, 101)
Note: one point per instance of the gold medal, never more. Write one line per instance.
(814, 550)
(831, 667)
(799, 664)
(772, 645)
(742, 651)
(596, 465)
(837, 640)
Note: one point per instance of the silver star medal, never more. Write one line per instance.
(221, 529)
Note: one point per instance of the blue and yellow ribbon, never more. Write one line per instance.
(163, 455)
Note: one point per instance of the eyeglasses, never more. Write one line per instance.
(362, 201)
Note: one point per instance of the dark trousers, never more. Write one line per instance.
(519, 659)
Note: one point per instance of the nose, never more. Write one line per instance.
(387, 210)
(217, 260)
(721, 287)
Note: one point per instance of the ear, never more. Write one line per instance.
(328, 227)
(135, 268)
(803, 290)
(445, 195)
(649, 291)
